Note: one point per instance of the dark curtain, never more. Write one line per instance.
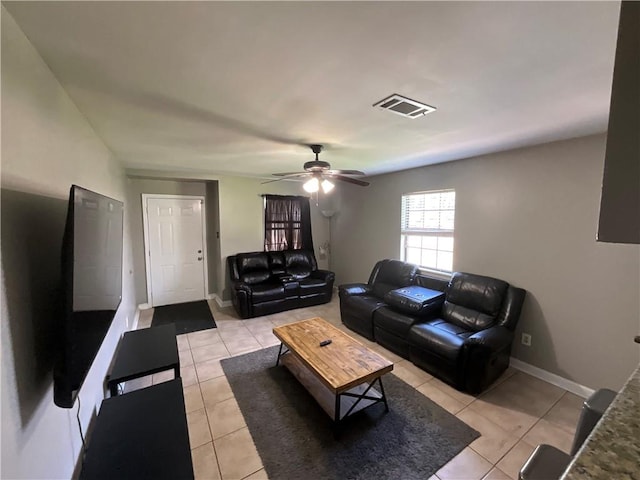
(287, 223)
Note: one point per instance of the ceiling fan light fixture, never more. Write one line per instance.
(312, 185)
(327, 186)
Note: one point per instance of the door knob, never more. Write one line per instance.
(199, 251)
(199, 259)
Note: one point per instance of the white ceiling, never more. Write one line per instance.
(239, 88)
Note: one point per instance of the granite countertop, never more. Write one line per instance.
(612, 451)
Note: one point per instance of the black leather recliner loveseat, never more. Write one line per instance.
(460, 331)
(269, 282)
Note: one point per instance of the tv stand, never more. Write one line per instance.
(142, 434)
(144, 352)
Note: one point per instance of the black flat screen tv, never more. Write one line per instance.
(91, 287)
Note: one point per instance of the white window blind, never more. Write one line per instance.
(427, 227)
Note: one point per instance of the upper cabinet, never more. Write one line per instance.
(620, 201)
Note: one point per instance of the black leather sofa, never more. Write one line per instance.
(269, 282)
(359, 301)
(460, 331)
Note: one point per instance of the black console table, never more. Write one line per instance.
(141, 435)
(144, 352)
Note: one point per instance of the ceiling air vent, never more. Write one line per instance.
(404, 106)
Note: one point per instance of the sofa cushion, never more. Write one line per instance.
(395, 272)
(266, 292)
(392, 321)
(312, 286)
(413, 300)
(466, 317)
(255, 277)
(484, 294)
(357, 313)
(380, 289)
(276, 263)
(253, 267)
(298, 263)
(439, 337)
(431, 282)
(391, 274)
(473, 301)
(362, 306)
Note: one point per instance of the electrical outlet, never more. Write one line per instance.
(526, 339)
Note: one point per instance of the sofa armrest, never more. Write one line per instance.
(485, 355)
(324, 275)
(241, 298)
(351, 289)
(492, 339)
(512, 307)
(242, 287)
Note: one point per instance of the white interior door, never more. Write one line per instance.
(175, 249)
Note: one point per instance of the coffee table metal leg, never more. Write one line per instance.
(281, 353)
(336, 418)
(384, 395)
(363, 396)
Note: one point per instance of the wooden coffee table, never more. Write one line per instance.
(340, 375)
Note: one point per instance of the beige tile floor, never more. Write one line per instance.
(517, 413)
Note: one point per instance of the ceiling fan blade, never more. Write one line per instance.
(355, 181)
(286, 174)
(294, 175)
(345, 172)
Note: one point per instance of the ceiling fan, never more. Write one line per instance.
(321, 174)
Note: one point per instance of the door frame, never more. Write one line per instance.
(145, 229)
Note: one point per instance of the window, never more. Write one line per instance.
(287, 223)
(427, 229)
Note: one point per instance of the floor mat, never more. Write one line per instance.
(187, 317)
(294, 438)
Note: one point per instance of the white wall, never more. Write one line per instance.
(527, 216)
(46, 146)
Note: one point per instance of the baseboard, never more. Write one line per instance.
(136, 318)
(552, 378)
(221, 303)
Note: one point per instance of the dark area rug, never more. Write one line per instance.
(187, 317)
(294, 436)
